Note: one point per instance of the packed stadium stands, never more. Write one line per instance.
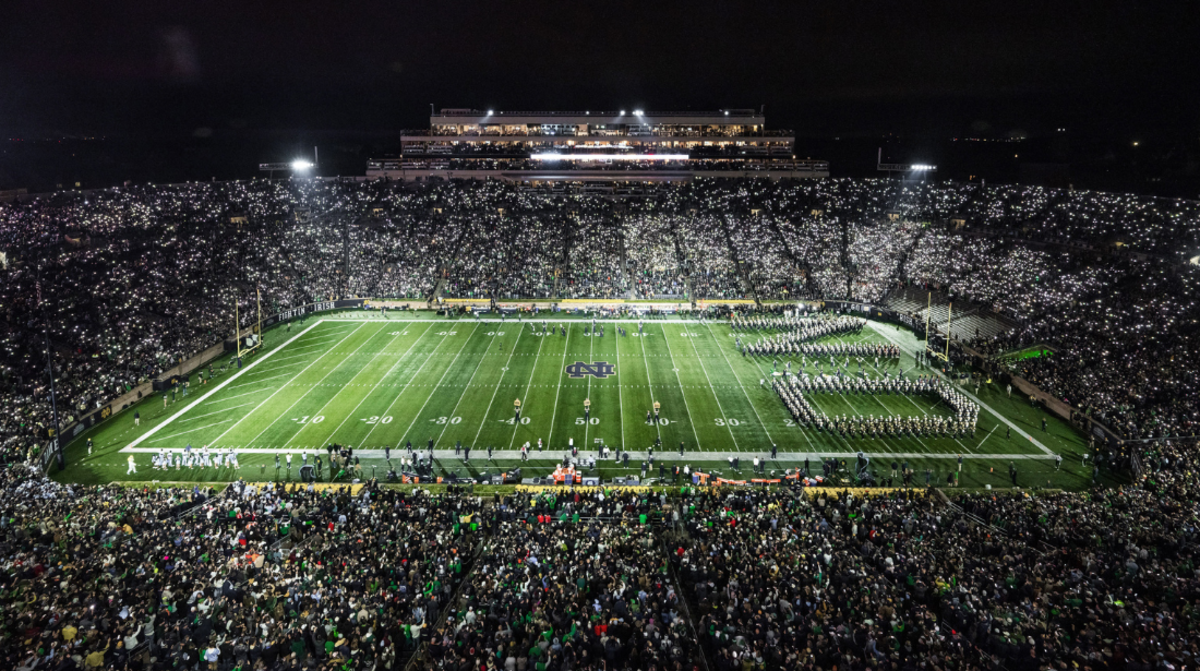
(126, 282)
(129, 281)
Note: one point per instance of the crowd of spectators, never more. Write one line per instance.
(252, 577)
(126, 282)
(259, 577)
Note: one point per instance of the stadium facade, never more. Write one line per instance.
(602, 149)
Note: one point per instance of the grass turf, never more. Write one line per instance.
(361, 380)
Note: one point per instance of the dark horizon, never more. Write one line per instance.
(233, 80)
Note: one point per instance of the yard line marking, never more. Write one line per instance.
(557, 391)
(465, 388)
(591, 358)
(923, 411)
(329, 438)
(137, 441)
(418, 415)
(487, 410)
(175, 435)
(525, 395)
(739, 379)
(261, 379)
(620, 400)
(685, 403)
(714, 391)
(988, 436)
(345, 358)
(657, 430)
(210, 414)
(213, 442)
(964, 392)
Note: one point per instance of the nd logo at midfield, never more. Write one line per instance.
(598, 369)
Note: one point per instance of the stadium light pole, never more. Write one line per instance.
(56, 443)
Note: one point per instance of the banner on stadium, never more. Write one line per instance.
(560, 489)
(593, 301)
(322, 306)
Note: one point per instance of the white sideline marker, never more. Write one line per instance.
(138, 441)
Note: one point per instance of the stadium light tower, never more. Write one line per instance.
(299, 165)
(922, 168)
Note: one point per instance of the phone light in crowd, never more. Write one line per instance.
(609, 157)
(301, 164)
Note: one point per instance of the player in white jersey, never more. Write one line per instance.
(204, 455)
(231, 458)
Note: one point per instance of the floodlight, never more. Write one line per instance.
(490, 112)
(622, 112)
(639, 113)
(301, 164)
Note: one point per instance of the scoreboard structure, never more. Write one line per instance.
(596, 147)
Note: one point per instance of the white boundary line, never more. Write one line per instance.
(964, 392)
(138, 441)
(173, 435)
(283, 386)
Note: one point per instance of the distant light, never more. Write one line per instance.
(1135, 144)
(726, 112)
(638, 112)
(301, 164)
(490, 112)
(622, 112)
(609, 157)
(922, 166)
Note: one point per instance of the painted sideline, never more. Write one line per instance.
(138, 441)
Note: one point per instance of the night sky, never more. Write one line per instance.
(165, 71)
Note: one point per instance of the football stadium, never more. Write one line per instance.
(529, 421)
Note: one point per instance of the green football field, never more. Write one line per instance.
(371, 383)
